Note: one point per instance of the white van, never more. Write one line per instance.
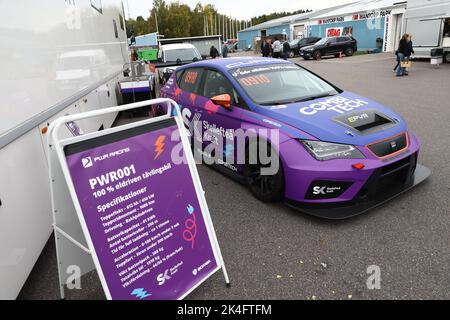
(428, 21)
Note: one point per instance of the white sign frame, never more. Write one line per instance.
(74, 245)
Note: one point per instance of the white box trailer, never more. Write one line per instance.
(202, 43)
(56, 58)
(428, 21)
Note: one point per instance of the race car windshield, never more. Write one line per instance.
(274, 84)
(181, 54)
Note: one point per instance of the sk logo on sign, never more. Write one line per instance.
(87, 162)
(159, 146)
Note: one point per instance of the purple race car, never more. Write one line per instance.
(339, 154)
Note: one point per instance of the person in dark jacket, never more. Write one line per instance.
(263, 43)
(224, 50)
(213, 52)
(410, 50)
(266, 48)
(286, 50)
(402, 53)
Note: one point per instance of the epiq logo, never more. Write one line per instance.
(87, 162)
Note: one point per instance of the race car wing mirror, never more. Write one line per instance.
(223, 100)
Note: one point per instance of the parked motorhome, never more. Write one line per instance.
(428, 21)
(56, 58)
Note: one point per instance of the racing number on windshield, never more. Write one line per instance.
(191, 77)
(255, 80)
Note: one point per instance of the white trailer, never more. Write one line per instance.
(57, 57)
(428, 21)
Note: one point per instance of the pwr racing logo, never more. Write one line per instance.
(337, 104)
(87, 162)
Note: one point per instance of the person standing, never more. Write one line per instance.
(410, 50)
(402, 53)
(286, 50)
(277, 48)
(263, 43)
(224, 50)
(266, 48)
(213, 52)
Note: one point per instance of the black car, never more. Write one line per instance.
(330, 46)
(297, 44)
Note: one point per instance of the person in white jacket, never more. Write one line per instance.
(276, 48)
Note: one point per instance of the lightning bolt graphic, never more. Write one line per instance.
(140, 293)
(159, 144)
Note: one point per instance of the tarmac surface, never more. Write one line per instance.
(273, 252)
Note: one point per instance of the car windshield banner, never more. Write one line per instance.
(148, 230)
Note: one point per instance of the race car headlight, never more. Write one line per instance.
(328, 151)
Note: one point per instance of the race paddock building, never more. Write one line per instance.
(376, 25)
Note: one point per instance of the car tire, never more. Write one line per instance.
(267, 188)
(291, 54)
(317, 55)
(447, 57)
(349, 52)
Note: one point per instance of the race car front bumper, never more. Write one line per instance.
(375, 192)
(335, 189)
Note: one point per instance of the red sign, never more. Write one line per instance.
(334, 32)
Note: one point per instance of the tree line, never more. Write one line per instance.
(176, 20)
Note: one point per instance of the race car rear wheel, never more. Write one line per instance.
(267, 188)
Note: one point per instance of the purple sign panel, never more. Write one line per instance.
(142, 213)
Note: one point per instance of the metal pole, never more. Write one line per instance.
(226, 27)
(215, 25)
(232, 28)
(156, 21)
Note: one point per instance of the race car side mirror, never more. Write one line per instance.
(223, 100)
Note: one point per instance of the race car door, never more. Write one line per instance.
(219, 123)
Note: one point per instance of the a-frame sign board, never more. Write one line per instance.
(128, 202)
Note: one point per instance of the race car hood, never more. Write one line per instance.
(344, 118)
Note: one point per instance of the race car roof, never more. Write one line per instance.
(232, 63)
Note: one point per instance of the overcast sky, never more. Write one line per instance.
(241, 9)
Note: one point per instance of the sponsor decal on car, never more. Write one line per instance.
(338, 104)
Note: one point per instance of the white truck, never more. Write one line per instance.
(56, 58)
(428, 21)
(170, 56)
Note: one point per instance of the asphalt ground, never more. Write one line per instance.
(273, 252)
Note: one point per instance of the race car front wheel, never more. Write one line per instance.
(264, 184)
